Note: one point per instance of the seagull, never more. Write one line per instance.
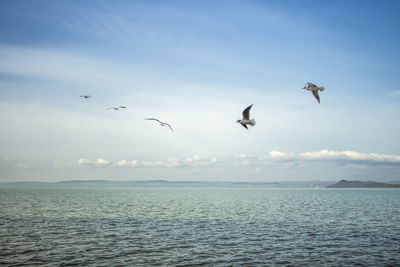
(246, 118)
(314, 89)
(114, 108)
(161, 123)
(86, 96)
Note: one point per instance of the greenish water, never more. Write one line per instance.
(190, 226)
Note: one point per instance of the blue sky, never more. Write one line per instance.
(197, 65)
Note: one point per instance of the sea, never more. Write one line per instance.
(199, 226)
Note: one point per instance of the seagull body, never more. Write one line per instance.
(86, 96)
(314, 89)
(246, 118)
(160, 122)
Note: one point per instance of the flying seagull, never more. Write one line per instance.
(161, 123)
(116, 108)
(86, 96)
(246, 118)
(314, 89)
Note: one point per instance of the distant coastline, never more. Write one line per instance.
(362, 184)
(227, 184)
(162, 183)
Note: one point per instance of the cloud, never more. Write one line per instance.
(122, 163)
(84, 162)
(194, 161)
(102, 162)
(277, 155)
(332, 155)
(346, 158)
(194, 158)
(97, 163)
(171, 162)
(350, 155)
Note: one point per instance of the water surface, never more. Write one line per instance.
(193, 226)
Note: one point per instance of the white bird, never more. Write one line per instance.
(161, 123)
(314, 89)
(86, 96)
(114, 108)
(246, 118)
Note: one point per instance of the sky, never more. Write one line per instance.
(197, 65)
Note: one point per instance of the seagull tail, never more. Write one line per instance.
(252, 122)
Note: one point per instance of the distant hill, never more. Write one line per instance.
(160, 183)
(361, 184)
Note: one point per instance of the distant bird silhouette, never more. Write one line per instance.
(314, 89)
(161, 123)
(246, 118)
(86, 96)
(116, 108)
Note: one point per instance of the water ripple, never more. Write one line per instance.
(187, 227)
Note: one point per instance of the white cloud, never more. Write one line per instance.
(280, 155)
(126, 163)
(83, 161)
(351, 159)
(331, 155)
(169, 163)
(122, 163)
(194, 158)
(102, 162)
(349, 155)
(98, 163)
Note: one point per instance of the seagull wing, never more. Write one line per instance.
(122, 106)
(169, 126)
(316, 95)
(311, 85)
(245, 126)
(246, 113)
(152, 119)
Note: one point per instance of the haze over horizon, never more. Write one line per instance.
(197, 65)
